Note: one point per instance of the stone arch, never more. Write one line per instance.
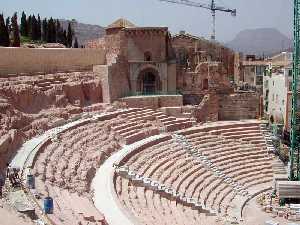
(148, 81)
(145, 67)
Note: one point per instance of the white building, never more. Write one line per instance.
(277, 93)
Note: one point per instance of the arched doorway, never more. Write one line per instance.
(148, 82)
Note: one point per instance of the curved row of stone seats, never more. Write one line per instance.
(26, 158)
(206, 161)
(163, 189)
(251, 133)
(221, 152)
(151, 208)
(247, 164)
(170, 123)
(154, 203)
(169, 163)
(143, 122)
(135, 125)
(219, 188)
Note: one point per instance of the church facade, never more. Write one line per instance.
(148, 60)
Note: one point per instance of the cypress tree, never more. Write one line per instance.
(23, 26)
(45, 30)
(8, 26)
(64, 38)
(69, 36)
(51, 36)
(15, 31)
(59, 32)
(76, 43)
(29, 27)
(39, 28)
(34, 28)
(4, 36)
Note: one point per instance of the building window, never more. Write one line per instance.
(205, 84)
(147, 56)
(290, 73)
(260, 70)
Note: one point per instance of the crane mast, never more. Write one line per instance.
(213, 12)
(212, 7)
(294, 159)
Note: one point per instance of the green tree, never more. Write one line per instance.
(34, 30)
(23, 26)
(59, 32)
(69, 36)
(64, 38)
(76, 43)
(8, 26)
(29, 27)
(45, 30)
(4, 35)
(39, 28)
(15, 31)
(51, 35)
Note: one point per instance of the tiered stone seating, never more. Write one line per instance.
(170, 164)
(171, 123)
(135, 125)
(237, 155)
(236, 150)
(45, 84)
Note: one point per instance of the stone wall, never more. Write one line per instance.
(145, 40)
(208, 109)
(239, 106)
(187, 44)
(8, 144)
(28, 60)
(153, 102)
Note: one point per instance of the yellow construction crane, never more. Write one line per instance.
(212, 7)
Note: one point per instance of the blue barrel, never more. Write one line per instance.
(30, 181)
(48, 205)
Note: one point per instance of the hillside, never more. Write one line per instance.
(260, 41)
(84, 32)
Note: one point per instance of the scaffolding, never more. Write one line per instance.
(294, 167)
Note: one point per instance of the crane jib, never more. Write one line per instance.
(212, 7)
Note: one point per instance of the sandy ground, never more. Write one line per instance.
(253, 215)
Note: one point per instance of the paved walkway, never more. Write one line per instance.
(105, 198)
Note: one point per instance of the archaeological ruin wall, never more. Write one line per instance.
(239, 106)
(46, 60)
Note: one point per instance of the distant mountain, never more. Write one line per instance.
(261, 41)
(84, 32)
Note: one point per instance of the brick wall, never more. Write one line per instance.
(208, 109)
(239, 106)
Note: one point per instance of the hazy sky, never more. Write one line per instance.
(250, 14)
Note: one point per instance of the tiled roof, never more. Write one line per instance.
(121, 23)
